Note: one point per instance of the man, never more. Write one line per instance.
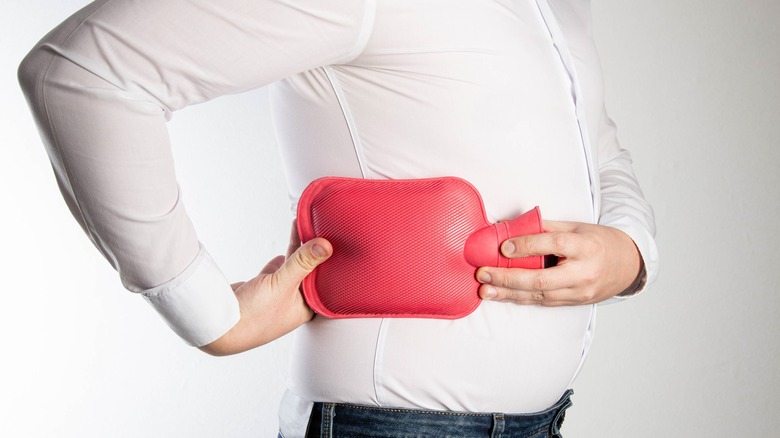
(505, 94)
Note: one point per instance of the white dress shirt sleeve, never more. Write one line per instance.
(623, 206)
(103, 84)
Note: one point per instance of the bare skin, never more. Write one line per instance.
(596, 262)
(271, 303)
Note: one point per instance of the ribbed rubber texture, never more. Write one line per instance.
(403, 248)
(397, 247)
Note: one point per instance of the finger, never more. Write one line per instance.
(295, 239)
(560, 297)
(525, 279)
(303, 261)
(559, 243)
(558, 225)
(273, 265)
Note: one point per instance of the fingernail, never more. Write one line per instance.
(508, 248)
(318, 251)
(490, 293)
(484, 277)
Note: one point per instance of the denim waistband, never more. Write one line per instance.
(338, 420)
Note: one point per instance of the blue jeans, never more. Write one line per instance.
(338, 420)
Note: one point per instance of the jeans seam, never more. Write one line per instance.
(414, 411)
(327, 420)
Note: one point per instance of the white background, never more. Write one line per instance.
(694, 87)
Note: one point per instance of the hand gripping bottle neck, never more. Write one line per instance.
(482, 247)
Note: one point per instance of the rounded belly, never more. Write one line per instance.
(501, 358)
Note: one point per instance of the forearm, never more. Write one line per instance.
(101, 87)
(623, 205)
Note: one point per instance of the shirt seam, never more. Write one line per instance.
(346, 112)
(559, 43)
(379, 389)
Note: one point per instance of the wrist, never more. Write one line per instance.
(638, 282)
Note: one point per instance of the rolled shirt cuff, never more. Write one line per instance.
(199, 304)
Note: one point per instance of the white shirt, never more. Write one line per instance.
(506, 94)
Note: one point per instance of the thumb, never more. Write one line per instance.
(303, 261)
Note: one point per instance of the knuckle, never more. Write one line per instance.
(598, 248)
(588, 295)
(560, 242)
(303, 262)
(512, 295)
(590, 278)
(540, 282)
(528, 246)
(504, 281)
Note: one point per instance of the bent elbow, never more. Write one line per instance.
(31, 72)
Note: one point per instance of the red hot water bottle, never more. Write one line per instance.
(403, 248)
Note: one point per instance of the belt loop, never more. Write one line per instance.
(555, 427)
(499, 425)
(321, 420)
(328, 414)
